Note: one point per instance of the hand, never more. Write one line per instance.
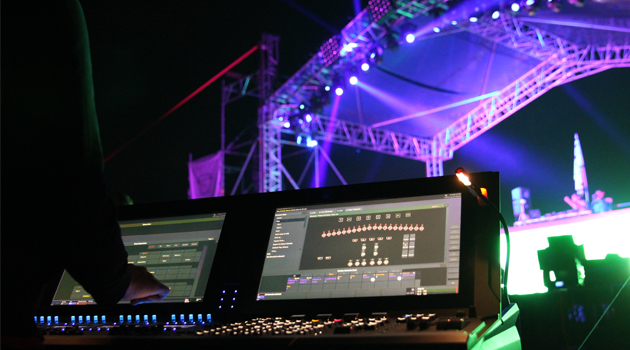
(144, 287)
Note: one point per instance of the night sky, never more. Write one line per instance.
(149, 55)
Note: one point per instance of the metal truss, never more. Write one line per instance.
(562, 62)
(509, 31)
(550, 73)
(356, 135)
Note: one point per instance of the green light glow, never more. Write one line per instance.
(601, 234)
(552, 276)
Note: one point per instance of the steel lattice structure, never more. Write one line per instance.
(561, 62)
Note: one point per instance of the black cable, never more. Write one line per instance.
(387, 71)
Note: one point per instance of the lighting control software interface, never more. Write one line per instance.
(403, 246)
(178, 251)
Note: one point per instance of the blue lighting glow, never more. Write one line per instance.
(454, 23)
(287, 125)
(365, 66)
(302, 106)
(496, 14)
(299, 139)
(327, 88)
(410, 38)
(311, 143)
(515, 7)
(339, 91)
(372, 55)
(529, 2)
(353, 80)
(560, 284)
(473, 19)
(308, 118)
(436, 29)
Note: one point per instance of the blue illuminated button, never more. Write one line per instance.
(146, 318)
(128, 318)
(154, 318)
(80, 319)
(209, 317)
(191, 319)
(137, 318)
(174, 318)
(121, 318)
(41, 319)
(48, 319)
(72, 319)
(88, 319)
(56, 319)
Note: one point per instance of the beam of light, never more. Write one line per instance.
(181, 103)
(310, 15)
(435, 110)
(575, 24)
(357, 7)
(390, 100)
(327, 144)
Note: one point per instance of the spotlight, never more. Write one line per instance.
(308, 118)
(375, 55)
(473, 19)
(577, 3)
(327, 88)
(454, 23)
(410, 38)
(330, 51)
(302, 106)
(299, 139)
(436, 29)
(554, 5)
(339, 91)
(515, 7)
(353, 81)
(310, 142)
(380, 8)
(496, 14)
(365, 66)
(532, 6)
(287, 125)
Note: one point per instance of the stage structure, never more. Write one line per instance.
(299, 112)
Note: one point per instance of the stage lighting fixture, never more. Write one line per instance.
(515, 7)
(375, 55)
(308, 118)
(327, 88)
(310, 142)
(496, 14)
(473, 19)
(562, 263)
(380, 8)
(339, 91)
(287, 125)
(532, 6)
(330, 51)
(436, 29)
(302, 106)
(410, 38)
(353, 80)
(554, 5)
(454, 23)
(365, 66)
(577, 3)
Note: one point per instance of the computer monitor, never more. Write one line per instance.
(178, 250)
(389, 247)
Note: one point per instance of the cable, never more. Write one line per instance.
(603, 314)
(387, 71)
(174, 108)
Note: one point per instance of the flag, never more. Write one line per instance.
(579, 170)
(205, 176)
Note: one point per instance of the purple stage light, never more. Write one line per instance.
(287, 125)
(327, 88)
(353, 81)
(365, 67)
(496, 14)
(410, 38)
(379, 8)
(515, 7)
(436, 29)
(330, 51)
(473, 19)
(308, 118)
(339, 91)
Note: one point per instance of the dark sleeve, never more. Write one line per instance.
(51, 148)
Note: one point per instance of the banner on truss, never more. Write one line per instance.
(205, 176)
